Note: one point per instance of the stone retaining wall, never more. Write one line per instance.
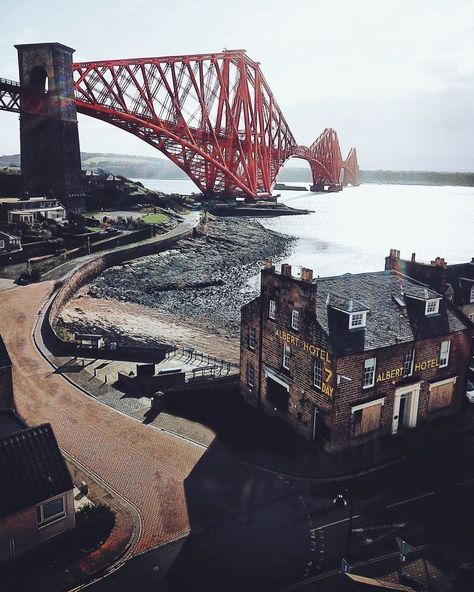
(90, 270)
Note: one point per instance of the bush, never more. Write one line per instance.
(93, 526)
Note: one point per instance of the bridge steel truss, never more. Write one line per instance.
(214, 115)
(9, 95)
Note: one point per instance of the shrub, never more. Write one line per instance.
(93, 526)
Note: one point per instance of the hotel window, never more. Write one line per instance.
(441, 394)
(286, 356)
(50, 511)
(408, 362)
(432, 307)
(444, 354)
(295, 320)
(318, 374)
(471, 317)
(250, 374)
(366, 417)
(357, 319)
(271, 309)
(472, 294)
(251, 340)
(369, 373)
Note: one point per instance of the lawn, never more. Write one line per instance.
(155, 218)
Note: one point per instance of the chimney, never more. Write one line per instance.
(397, 254)
(285, 269)
(413, 257)
(472, 260)
(307, 275)
(268, 264)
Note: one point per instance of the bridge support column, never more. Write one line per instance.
(49, 137)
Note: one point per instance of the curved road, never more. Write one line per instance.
(145, 466)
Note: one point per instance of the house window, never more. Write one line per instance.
(251, 338)
(271, 309)
(250, 374)
(295, 320)
(318, 373)
(50, 511)
(441, 394)
(431, 307)
(471, 299)
(369, 373)
(366, 417)
(286, 356)
(444, 354)
(408, 362)
(357, 319)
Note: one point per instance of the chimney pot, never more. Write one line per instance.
(413, 257)
(285, 269)
(268, 264)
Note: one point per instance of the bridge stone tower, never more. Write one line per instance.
(49, 137)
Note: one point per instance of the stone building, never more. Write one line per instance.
(455, 281)
(349, 358)
(6, 380)
(36, 489)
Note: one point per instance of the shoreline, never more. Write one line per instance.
(189, 295)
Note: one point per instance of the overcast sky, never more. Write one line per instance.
(394, 78)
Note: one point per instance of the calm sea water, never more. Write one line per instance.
(354, 230)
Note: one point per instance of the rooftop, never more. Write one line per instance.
(32, 468)
(10, 423)
(5, 361)
(396, 305)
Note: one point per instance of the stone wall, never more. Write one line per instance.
(90, 270)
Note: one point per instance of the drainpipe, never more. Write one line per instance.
(260, 347)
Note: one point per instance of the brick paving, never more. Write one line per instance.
(145, 466)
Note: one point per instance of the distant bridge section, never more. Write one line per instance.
(214, 115)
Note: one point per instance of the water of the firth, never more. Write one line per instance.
(353, 231)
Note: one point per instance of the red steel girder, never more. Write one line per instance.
(325, 159)
(351, 168)
(214, 115)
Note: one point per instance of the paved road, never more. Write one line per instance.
(425, 500)
(173, 484)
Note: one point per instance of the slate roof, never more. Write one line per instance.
(5, 361)
(388, 322)
(461, 278)
(346, 304)
(32, 469)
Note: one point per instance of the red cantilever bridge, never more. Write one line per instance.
(214, 115)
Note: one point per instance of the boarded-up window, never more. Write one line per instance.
(441, 396)
(366, 420)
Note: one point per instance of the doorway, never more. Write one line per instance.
(405, 408)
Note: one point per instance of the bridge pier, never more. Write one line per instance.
(49, 137)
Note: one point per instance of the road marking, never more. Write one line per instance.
(333, 523)
(466, 481)
(411, 499)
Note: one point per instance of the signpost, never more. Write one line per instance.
(345, 567)
(405, 548)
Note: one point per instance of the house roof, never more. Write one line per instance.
(5, 361)
(396, 314)
(32, 468)
(461, 279)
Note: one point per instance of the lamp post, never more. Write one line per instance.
(345, 499)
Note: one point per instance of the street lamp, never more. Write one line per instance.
(344, 499)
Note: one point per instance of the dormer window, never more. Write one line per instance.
(471, 299)
(357, 320)
(432, 307)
